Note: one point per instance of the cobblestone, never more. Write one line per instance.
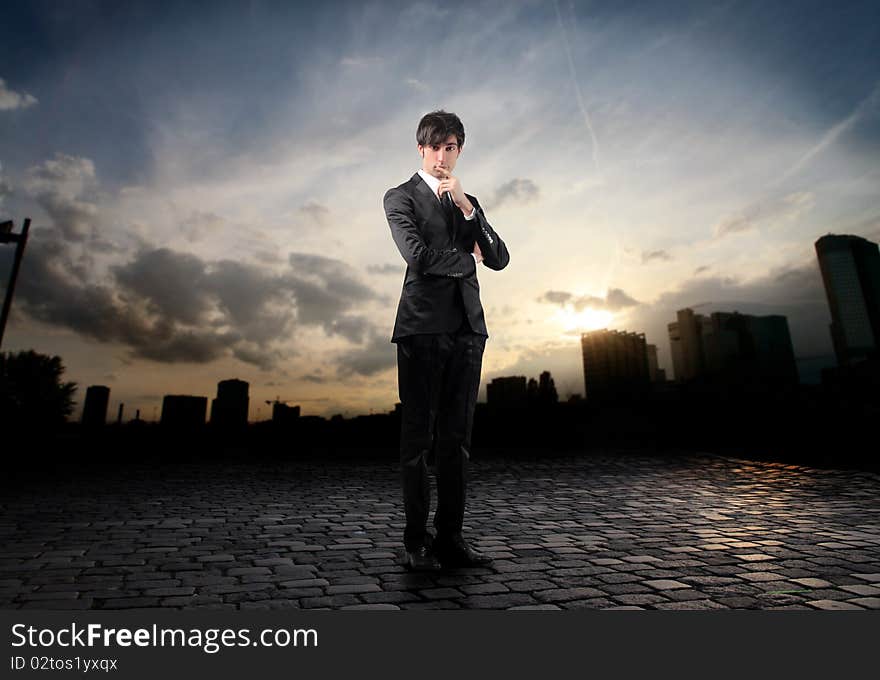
(599, 531)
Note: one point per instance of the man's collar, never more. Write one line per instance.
(432, 182)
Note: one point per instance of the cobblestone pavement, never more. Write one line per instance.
(601, 531)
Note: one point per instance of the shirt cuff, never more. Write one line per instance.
(472, 215)
(476, 261)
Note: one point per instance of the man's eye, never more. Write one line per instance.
(450, 148)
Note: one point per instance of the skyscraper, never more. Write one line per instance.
(850, 267)
(732, 348)
(685, 339)
(615, 363)
(230, 407)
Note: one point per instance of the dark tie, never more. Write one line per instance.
(448, 206)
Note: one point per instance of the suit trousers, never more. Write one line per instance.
(438, 380)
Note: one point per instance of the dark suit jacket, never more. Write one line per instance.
(441, 274)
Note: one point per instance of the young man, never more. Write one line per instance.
(440, 333)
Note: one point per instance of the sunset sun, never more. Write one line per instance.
(587, 319)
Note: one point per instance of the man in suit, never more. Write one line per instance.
(440, 333)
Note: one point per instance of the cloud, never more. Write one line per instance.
(556, 297)
(172, 307)
(516, 191)
(417, 84)
(62, 186)
(172, 283)
(384, 269)
(701, 270)
(11, 100)
(769, 211)
(325, 289)
(662, 255)
(615, 299)
(317, 212)
(200, 225)
(377, 355)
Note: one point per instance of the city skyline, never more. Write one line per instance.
(207, 200)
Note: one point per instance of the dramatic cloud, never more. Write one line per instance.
(62, 187)
(325, 289)
(11, 100)
(379, 354)
(660, 255)
(516, 191)
(173, 284)
(175, 307)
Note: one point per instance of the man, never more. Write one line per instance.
(440, 334)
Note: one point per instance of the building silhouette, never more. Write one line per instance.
(282, 414)
(685, 340)
(95, 408)
(230, 407)
(507, 392)
(732, 348)
(547, 389)
(850, 267)
(615, 364)
(655, 373)
(541, 392)
(181, 411)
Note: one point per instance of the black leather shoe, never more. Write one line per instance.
(457, 553)
(421, 559)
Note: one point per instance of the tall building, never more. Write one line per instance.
(655, 373)
(542, 392)
(507, 392)
(95, 408)
(732, 348)
(615, 363)
(183, 411)
(547, 389)
(685, 339)
(230, 407)
(850, 267)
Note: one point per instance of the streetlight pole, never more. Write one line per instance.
(20, 240)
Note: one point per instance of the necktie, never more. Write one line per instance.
(448, 206)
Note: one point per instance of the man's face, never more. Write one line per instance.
(439, 159)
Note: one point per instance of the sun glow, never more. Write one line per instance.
(584, 320)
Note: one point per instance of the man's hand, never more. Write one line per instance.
(478, 252)
(453, 186)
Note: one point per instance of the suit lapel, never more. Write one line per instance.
(430, 202)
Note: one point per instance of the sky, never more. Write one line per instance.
(205, 180)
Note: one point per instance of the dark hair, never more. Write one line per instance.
(436, 126)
